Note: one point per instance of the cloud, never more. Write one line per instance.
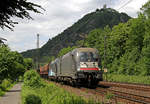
(131, 8)
(59, 15)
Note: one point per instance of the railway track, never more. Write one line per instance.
(119, 96)
(129, 97)
(141, 87)
(135, 93)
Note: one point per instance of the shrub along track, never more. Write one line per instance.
(86, 94)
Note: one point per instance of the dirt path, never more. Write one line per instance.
(12, 96)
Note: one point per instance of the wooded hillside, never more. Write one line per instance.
(70, 36)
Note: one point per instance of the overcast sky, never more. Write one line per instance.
(59, 15)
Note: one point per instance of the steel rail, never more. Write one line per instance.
(126, 96)
(126, 85)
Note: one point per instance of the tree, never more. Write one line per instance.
(146, 9)
(65, 50)
(127, 46)
(95, 39)
(11, 63)
(28, 63)
(15, 8)
(144, 62)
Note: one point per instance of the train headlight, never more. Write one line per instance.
(105, 70)
(99, 68)
(78, 69)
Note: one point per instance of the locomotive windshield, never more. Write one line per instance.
(88, 57)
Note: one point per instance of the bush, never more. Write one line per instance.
(127, 78)
(5, 84)
(32, 79)
(1, 92)
(20, 78)
(32, 99)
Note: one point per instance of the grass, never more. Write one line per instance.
(51, 94)
(127, 78)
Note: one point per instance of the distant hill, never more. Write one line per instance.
(98, 19)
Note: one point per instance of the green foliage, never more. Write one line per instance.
(146, 9)
(28, 63)
(15, 8)
(46, 59)
(47, 94)
(32, 79)
(20, 79)
(127, 78)
(52, 58)
(65, 50)
(51, 94)
(5, 84)
(32, 99)
(1, 92)
(11, 67)
(126, 46)
(11, 64)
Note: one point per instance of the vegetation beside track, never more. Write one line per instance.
(127, 78)
(37, 91)
(5, 86)
(12, 67)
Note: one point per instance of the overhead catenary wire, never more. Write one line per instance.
(125, 4)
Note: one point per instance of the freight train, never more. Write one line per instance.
(44, 71)
(81, 66)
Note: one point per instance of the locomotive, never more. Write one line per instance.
(81, 66)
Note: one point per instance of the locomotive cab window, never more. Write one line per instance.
(88, 57)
